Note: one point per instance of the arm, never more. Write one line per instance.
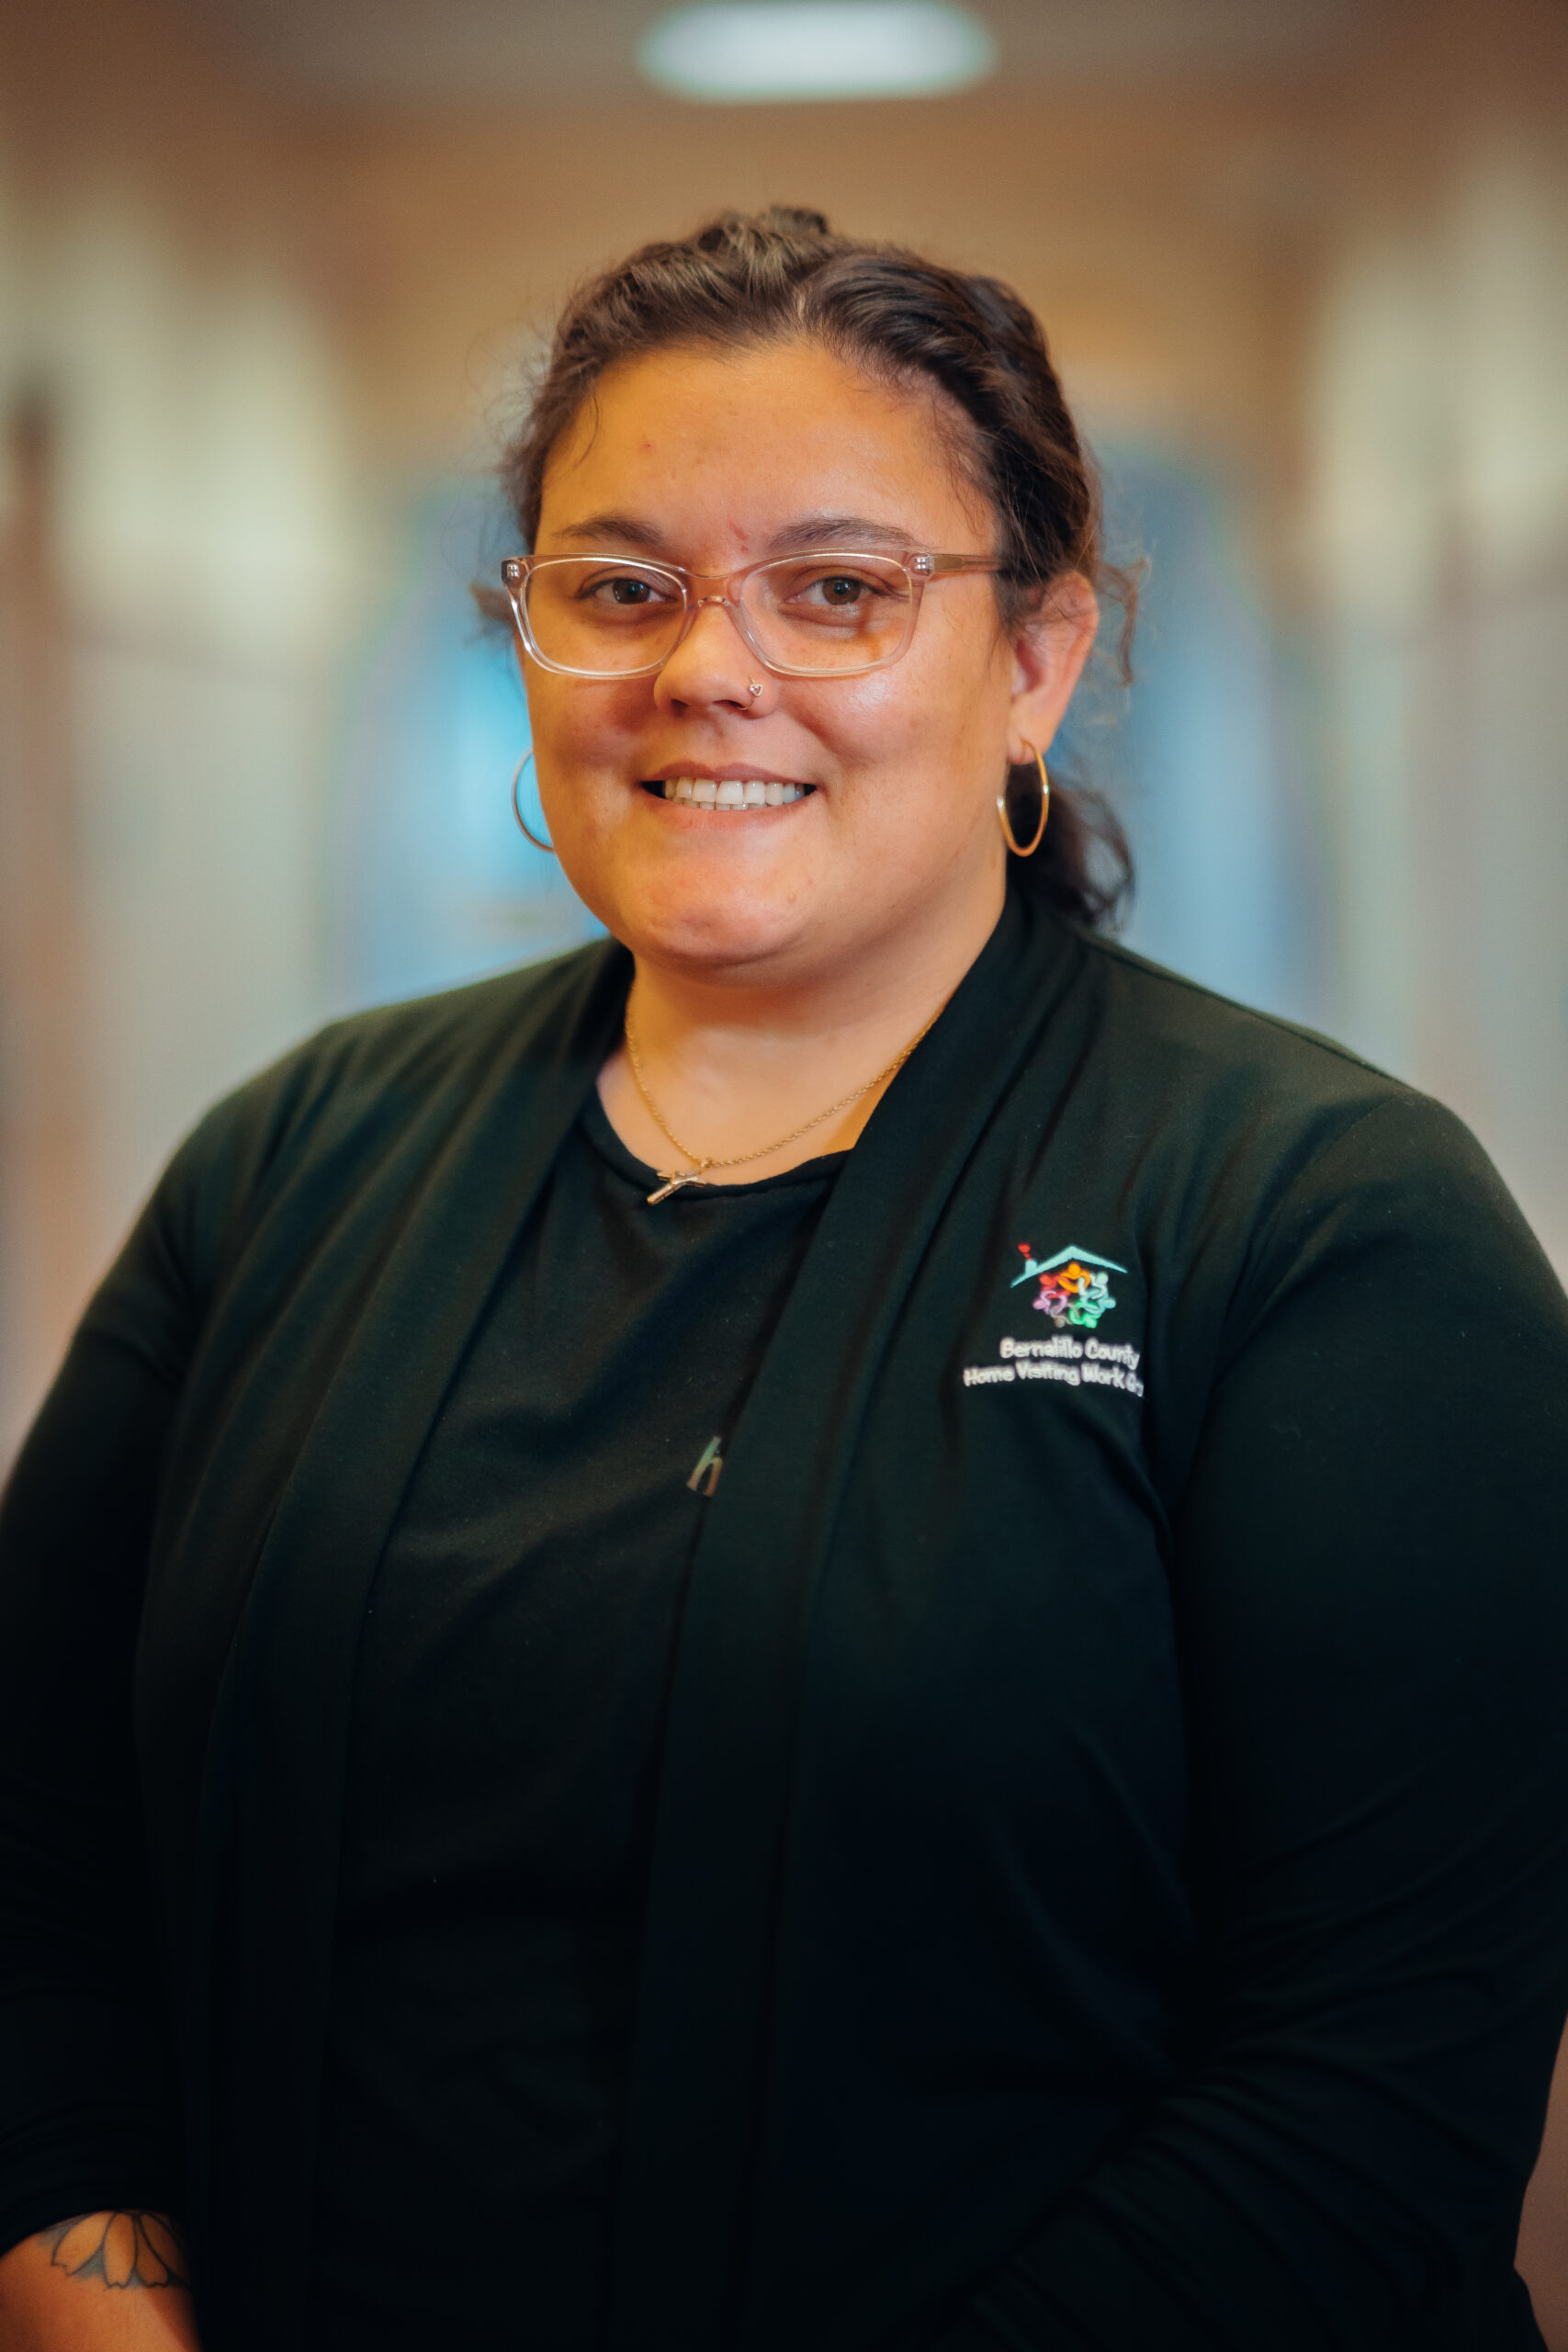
(1372, 1594)
(87, 2116)
(97, 2282)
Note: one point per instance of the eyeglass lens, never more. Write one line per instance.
(607, 615)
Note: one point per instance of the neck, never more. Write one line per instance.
(734, 1059)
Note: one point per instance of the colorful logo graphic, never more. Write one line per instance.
(1074, 1285)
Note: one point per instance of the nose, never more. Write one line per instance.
(712, 665)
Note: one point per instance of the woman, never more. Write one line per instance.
(841, 1625)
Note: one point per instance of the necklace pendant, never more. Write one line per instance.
(673, 1184)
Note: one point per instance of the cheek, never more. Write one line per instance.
(917, 710)
(956, 677)
(581, 738)
(937, 729)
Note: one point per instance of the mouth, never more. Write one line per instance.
(735, 795)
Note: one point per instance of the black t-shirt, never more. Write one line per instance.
(505, 1741)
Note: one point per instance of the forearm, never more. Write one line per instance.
(98, 2282)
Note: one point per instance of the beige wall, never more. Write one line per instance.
(178, 543)
(1434, 530)
(1159, 239)
(234, 334)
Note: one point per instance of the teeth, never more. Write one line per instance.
(733, 792)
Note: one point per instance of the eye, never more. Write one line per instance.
(624, 592)
(623, 589)
(834, 592)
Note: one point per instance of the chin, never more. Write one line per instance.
(717, 932)
(716, 943)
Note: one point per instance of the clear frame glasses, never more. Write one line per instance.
(824, 614)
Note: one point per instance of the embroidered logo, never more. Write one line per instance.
(1073, 1288)
(1074, 1285)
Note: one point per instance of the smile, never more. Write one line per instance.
(739, 793)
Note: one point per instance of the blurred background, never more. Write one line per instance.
(271, 276)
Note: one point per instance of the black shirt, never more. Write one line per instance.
(1111, 1876)
(504, 1746)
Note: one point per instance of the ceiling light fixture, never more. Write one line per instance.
(756, 50)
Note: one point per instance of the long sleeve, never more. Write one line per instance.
(86, 2113)
(1372, 1596)
(158, 1456)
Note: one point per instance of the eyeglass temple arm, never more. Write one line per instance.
(932, 566)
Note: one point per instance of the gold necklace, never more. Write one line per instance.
(672, 1179)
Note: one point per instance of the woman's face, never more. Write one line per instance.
(716, 460)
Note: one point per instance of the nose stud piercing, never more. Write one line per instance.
(754, 689)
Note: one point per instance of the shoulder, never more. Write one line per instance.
(1229, 1086)
(1255, 1183)
(386, 1084)
(428, 1042)
(1263, 1155)
(1165, 1019)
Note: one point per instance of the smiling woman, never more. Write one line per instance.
(882, 854)
(899, 430)
(601, 1745)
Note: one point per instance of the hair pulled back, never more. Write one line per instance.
(749, 278)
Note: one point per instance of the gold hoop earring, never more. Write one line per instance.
(1017, 847)
(549, 847)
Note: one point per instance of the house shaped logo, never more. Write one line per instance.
(1075, 1285)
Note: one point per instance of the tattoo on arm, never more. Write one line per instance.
(118, 2249)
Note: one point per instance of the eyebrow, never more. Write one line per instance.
(805, 531)
(839, 531)
(617, 531)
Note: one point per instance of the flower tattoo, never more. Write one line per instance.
(118, 2249)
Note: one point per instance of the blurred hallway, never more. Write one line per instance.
(269, 274)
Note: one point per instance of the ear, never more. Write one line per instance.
(1049, 651)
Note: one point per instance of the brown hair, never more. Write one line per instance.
(748, 278)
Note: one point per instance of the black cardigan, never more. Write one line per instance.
(1110, 1887)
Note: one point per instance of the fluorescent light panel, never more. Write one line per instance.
(768, 49)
